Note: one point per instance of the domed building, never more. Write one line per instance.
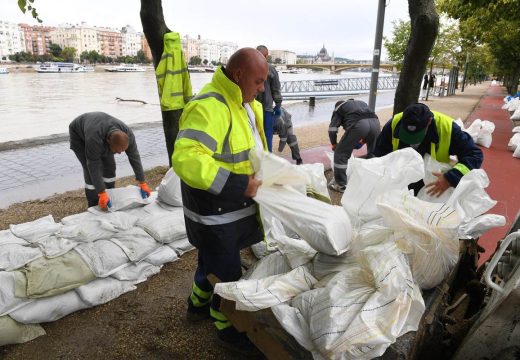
(323, 56)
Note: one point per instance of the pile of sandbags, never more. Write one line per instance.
(514, 143)
(480, 131)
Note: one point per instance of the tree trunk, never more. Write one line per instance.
(425, 26)
(154, 28)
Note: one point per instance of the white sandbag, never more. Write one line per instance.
(372, 177)
(325, 227)
(330, 156)
(316, 186)
(136, 243)
(324, 265)
(123, 199)
(363, 309)
(78, 218)
(516, 115)
(272, 169)
(484, 137)
(181, 246)
(162, 255)
(16, 333)
(157, 207)
(8, 301)
(460, 123)
(268, 244)
(270, 265)
(297, 251)
(426, 232)
(516, 154)
(514, 142)
(103, 257)
(474, 129)
(33, 230)
(253, 295)
(49, 309)
(137, 273)
(514, 104)
(53, 246)
(101, 291)
(15, 252)
(431, 166)
(516, 129)
(474, 228)
(169, 190)
(165, 227)
(470, 198)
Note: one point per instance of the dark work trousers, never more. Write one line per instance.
(268, 128)
(171, 129)
(367, 129)
(109, 175)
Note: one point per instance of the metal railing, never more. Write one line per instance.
(338, 86)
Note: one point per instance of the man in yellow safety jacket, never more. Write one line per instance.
(433, 133)
(217, 130)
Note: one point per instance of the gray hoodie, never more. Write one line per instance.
(272, 90)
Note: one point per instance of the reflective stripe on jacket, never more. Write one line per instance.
(215, 137)
(173, 79)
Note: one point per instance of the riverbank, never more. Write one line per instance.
(149, 323)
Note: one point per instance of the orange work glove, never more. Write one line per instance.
(104, 200)
(145, 190)
(333, 146)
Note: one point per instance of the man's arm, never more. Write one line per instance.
(335, 123)
(276, 88)
(93, 151)
(468, 153)
(134, 158)
(384, 141)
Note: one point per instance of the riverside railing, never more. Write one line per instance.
(334, 87)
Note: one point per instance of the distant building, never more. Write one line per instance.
(208, 50)
(37, 38)
(286, 57)
(190, 47)
(323, 56)
(110, 42)
(146, 48)
(304, 59)
(81, 37)
(11, 40)
(131, 41)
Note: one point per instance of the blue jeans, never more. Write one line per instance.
(268, 128)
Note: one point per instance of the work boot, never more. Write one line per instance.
(235, 341)
(196, 314)
(299, 161)
(333, 185)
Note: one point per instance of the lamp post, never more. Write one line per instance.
(377, 55)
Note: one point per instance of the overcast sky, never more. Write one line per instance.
(346, 27)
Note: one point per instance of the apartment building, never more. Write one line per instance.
(190, 47)
(286, 57)
(11, 40)
(208, 50)
(81, 37)
(146, 48)
(37, 38)
(131, 41)
(110, 42)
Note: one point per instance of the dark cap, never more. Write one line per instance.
(414, 123)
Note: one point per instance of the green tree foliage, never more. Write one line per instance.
(68, 54)
(195, 60)
(28, 5)
(444, 53)
(491, 23)
(21, 57)
(140, 57)
(55, 49)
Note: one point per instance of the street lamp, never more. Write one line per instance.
(377, 54)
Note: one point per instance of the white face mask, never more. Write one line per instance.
(415, 146)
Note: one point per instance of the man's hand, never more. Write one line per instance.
(333, 146)
(145, 190)
(277, 112)
(104, 200)
(439, 186)
(252, 186)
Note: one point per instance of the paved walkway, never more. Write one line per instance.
(40, 171)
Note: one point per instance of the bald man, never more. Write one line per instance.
(95, 137)
(218, 129)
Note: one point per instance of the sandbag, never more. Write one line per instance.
(484, 137)
(474, 129)
(161, 255)
(16, 333)
(103, 257)
(181, 246)
(514, 142)
(124, 199)
(8, 301)
(165, 227)
(104, 290)
(370, 178)
(137, 273)
(49, 309)
(169, 190)
(136, 243)
(431, 166)
(34, 230)
(16, 252)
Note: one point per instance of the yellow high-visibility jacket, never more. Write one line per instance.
(215, 137)
(173, 79)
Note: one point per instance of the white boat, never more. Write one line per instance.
(4, 70)
(196, 69)
(63, 67)
(125, 68)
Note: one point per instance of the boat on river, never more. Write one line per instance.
(125, 68)
(4, 70)
(63, 67)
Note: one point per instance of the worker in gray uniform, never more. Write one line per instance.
(361, 126)
(283, 128)
(95, 137)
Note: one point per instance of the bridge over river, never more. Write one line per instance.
(303, 89)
